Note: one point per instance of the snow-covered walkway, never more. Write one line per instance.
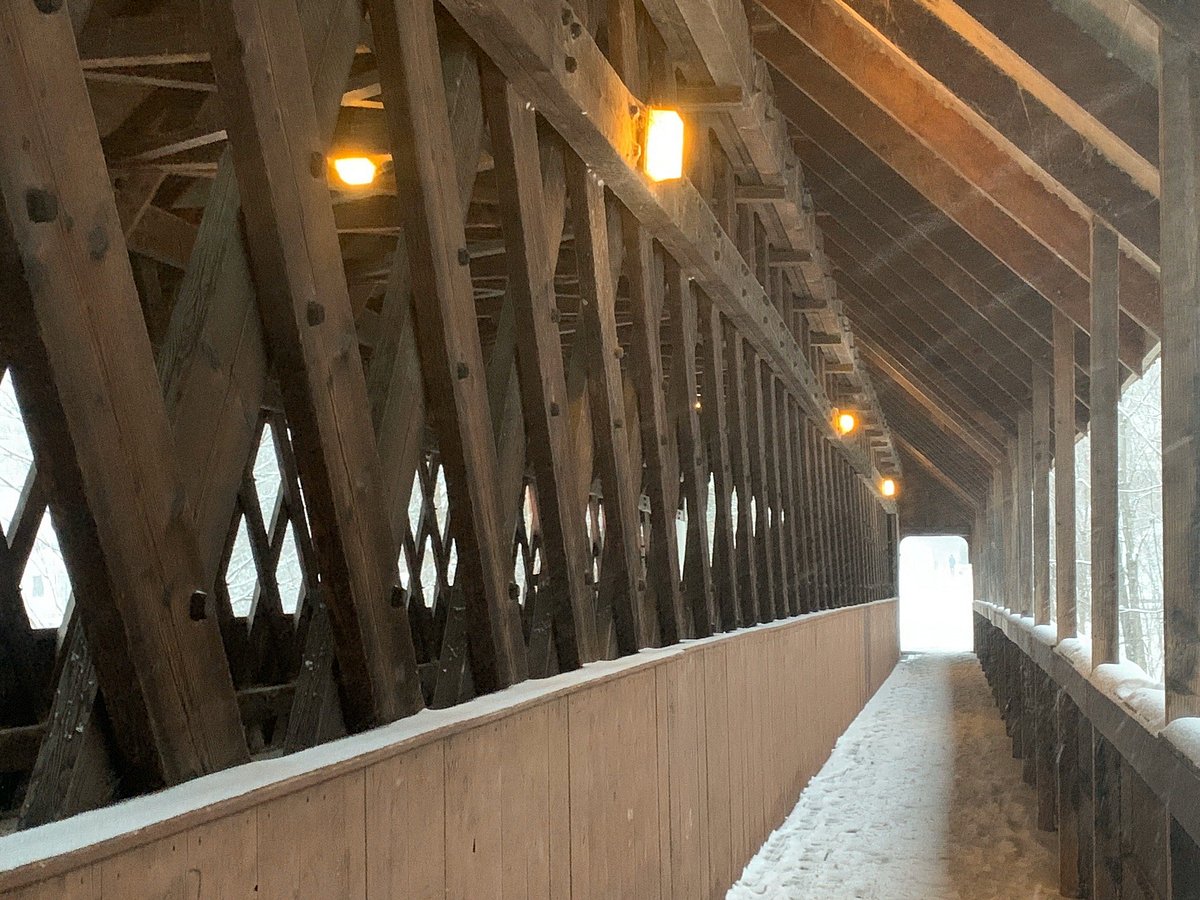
(921, 800)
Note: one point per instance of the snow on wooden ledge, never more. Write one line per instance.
(210, 797)
(1125, 683)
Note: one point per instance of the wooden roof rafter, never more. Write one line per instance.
(711, 44)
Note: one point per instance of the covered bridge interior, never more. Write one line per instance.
(461, 447)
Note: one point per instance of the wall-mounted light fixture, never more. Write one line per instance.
(888, 487)
(662, 156)
(355, 171)
(845, 422)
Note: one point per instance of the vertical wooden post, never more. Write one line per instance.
(786, 427)
(1106, 809)
(1105, 392)
(1023, 507)
(621, 576)
(1068, 780)
(1179, 121)
(716, 427)
(768, 582)
(448, 337)
(1064, 476)
(661, 476)
(96, 413)
(697, 574)
(747, 553)
(531, 264)
(1041, 495)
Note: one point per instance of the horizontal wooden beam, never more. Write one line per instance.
(582, 97)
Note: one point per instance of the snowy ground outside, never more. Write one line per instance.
(920, 800)
(935, 594)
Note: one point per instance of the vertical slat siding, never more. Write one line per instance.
(661, 781)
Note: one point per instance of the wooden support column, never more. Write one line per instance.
(89, 393)
(1041, 495)
(697, 573)
(777, 535)
(803, 509)
(307, 315)
(1069, 784)
(1105, 380)
(1106, 809)
(820, 500)
(661, 476)
(1024, 512)
(748, 561)
(1064, 477)
(765, 552)
(448, 337)
(785, 425)
(531, 264)
(1179, 115)
(716, 428)
(622, 583)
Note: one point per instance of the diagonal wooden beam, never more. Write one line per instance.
(1041, 266)
(531, 265)
(681, 307)
(622, 584)
(715, 418)
(661, 475)
(959, 53)
(913, 306)
(868, 310)
(933, 469)
(307, 315)
(448, 337)
(95, 414)
(212, 368)
(581, 96)
(921, 112)
(882, 361)
(1051, 57)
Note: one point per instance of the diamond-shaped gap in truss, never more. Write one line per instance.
(733, 515)
(681, 529)
(45, 587)
(711, 515)
(427, 548)
(282, 510)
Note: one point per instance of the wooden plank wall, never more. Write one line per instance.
(660, 779)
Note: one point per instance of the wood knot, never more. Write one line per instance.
(41, 205)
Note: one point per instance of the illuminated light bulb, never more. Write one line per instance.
(888, 488)
(697, 404)
(663, 153)
(356, 171)
(846, 422)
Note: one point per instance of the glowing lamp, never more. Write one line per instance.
(697, 404)
(888, 487)
(355, 171)
(663, 152)
(846, 422)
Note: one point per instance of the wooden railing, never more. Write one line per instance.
(1120, 788)
(657, 775)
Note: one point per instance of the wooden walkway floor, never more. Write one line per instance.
(921, 799)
